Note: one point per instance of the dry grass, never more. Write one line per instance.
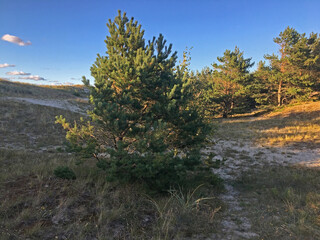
(287, 202)
(31, 126)
(296, 126)
(292, 135)
(18, 89)
(293, 126)
(36, 205)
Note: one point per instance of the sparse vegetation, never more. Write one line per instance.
(8, 88)
(31, 126)
(145, 162)
(287, 204)
(34, 204)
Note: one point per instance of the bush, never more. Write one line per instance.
(64, 173)
(76, 93)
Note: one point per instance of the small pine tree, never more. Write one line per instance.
(142, 122)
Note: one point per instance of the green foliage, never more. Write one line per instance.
(144, 126)
(80, 139)
(76, 93)
(158, 171)
(64, 173)
(231, 79)
(225, 88)
(292, 75)
(203, 88)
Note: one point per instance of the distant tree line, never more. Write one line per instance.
(228, 87)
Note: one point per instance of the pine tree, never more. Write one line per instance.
(204, 80)
(296, 71)
(305, 57)
(282, 69)
(262, 89)
(142, 120)
(231, 77)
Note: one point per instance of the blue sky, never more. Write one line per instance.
(66, 35)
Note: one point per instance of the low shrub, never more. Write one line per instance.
(64, 173)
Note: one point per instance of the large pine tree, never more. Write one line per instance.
(142, 117)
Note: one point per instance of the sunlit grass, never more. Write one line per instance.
(287, 199)
(297, 126)
(290, 135)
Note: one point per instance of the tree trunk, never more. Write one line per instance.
(226, 109)
(279, 93)
(225, 115)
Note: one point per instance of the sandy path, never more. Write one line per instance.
(237, 157)
(62, 104)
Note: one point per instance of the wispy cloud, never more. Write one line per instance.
(33, 77)
(15, 39)
(17, 73)
(24, 75)
(4, 65)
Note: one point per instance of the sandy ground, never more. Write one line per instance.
(237, 157)
(62, 104)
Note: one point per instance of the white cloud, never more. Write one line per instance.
(15, 39)
(26, 76)
(17, 73)
(33, 77)
(4, 65)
